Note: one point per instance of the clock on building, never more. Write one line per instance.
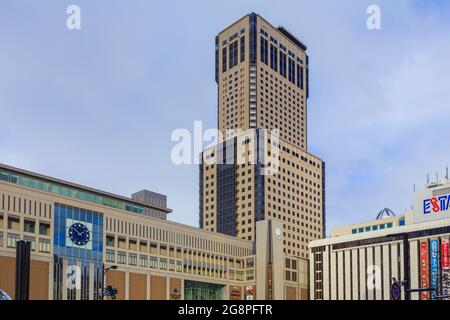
(79, 234)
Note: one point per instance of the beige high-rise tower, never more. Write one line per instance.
(263, 83)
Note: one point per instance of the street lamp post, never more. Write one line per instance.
(105, 271)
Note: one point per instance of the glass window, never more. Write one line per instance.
(179, 266)
(1, 220)
(110, 241)
(382, 226)
(283, 64)
(122, 243)
(44, 245)
(1, 239)
(32, 240)
(132, 245)
(4, 175)
(389, 225)
(274, 57)
(224, 59)
(153, 248)
(242, 48)
(154, 262)
(14, 223)
(171, 265)
(143, 261)
(264, 50)
(121, 257)
(143, 246)
(132, 259)
(44, 229)
(29, 226)
(354, 231)
(163, 264)
(110, 255)
(12, 239)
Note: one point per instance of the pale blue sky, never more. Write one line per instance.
(97, 106)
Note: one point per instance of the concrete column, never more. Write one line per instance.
(355, 279)
(387, 279)
(91, 281)
(148, 286)
(127, 285)
(182, 289)
(401, 268)
(78, 290)
(64, 280)
(378, 290)
(340, 273)
(370, 292)
(167, 288)
(326, 273)
(333, 277)
(347, 275)
(362, 274)
(51, 281)
(312, 284)
(413, 265)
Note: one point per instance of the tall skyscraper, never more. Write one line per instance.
(263, 84)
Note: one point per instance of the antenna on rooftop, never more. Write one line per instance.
(428, 178)
(446, 172)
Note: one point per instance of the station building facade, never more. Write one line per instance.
(361, 261)
(77, 233)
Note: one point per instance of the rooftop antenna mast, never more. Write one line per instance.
(428, 178)
(446, 172)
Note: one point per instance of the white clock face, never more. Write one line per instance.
(278, 232)
(78, 234)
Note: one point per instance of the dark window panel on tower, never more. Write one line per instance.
(283, 64)
(291, 70)
(242, 48)
(274, 57)
(224, 59)
(264, 51)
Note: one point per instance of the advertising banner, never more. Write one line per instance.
(434, 248)
(445, 263)
(424, 269)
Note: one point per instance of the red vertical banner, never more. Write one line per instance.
(424, 269)
(445, 267)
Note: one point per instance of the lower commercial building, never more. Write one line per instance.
(362, 261)
(83, 239)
